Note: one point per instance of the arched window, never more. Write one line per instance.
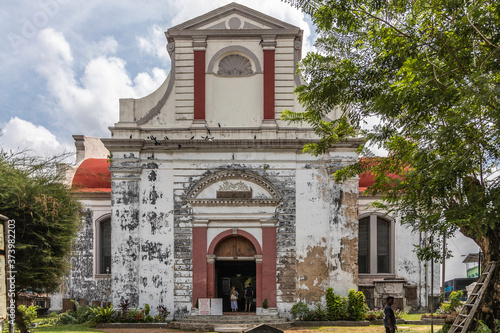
(376, 245)
(103, 247)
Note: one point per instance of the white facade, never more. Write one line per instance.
(205, 175)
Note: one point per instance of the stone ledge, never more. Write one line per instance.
(341, 323)
(133, 325)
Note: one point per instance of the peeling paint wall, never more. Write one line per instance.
(156, 234)
(81, 283)
(125, 241)
(280, 174)
(326, 231)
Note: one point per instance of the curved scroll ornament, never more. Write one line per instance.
(235, 65)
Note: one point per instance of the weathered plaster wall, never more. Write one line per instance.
(279, 170)
(156, 256)
(313, 211)
(326, 230)
(343, 246)
(125, 242)
(81, 283)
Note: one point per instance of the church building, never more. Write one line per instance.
(202, 187)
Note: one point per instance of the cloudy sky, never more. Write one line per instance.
(64, 65)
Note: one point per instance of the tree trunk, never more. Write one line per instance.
(490, 309)
(21, 326)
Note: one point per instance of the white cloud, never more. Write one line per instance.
(18, 134)
(154, 43)
(89, 104)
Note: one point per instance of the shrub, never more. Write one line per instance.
(29, 313)
(264, 304)
(336, 305)
(103, 315)
(454, 305)
(84, 314)
(482, 328)
(456, 299)
(162, 313)
(135, 316)
(124, 305)
(356, 306)
(299, 310)
(318, 314)
(66, 319)
(399, 313)
(374, 314)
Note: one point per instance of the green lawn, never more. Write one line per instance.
(412, 316)
(84, 328)
(365, 329)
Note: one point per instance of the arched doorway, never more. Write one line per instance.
(234, 266)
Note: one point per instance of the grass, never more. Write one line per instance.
(412, 316)
(83, 328)
(365, 329)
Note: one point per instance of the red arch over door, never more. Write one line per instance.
(229, 233)
(204, 269)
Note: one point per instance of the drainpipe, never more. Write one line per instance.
(426, 277)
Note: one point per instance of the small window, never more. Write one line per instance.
(364, 245)
(383, 245)
(375, 248)
(105, 247)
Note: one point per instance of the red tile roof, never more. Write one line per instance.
(93, 176)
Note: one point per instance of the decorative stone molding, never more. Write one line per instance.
(234, 23)
(239, 186)
(268, 42)
(233, 49)
(224, 176)
(233, 174)
(235, 65)
(200, 43)
(234, 202)
(171, 48)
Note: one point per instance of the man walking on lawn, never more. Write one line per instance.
(389, 316)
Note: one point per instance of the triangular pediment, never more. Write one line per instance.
(233, 17)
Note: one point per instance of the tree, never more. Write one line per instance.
(46, 220)
(430, 71)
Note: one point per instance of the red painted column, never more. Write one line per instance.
(269, 255)
(199, 263)
(269, 88)
(199, 84)
(211, 278)
(259, 282)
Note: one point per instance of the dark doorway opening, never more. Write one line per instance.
(234, 273)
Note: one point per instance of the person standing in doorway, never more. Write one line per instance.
(389, 316)
(248, 297)
(234, 299)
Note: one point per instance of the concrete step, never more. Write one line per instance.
(232, 319)
(228, 324)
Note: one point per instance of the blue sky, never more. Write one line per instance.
(64, 65)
